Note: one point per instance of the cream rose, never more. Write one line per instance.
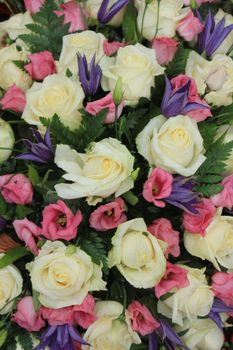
(16, 25)
(109, 332)
(192, 301)
(105, 169)
(213, 78)
(7, 140)
(228, 137)
(11, 284)
(137, 66)
(57, 94)
(137, 254)
(228, 41)
(217, 245)
(93, 6)
(10, 74)
(86, 43)
(61, 279)
(173, 144)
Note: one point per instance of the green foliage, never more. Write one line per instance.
(129, 24)
(208, 132)
(35, 297)
(33, 175)
(12, 255)
(178, 64)
(25, 339)
(225, 115)
(22, 211)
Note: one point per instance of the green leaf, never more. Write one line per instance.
(2, 205)
(166, 296)
(22, 211)
(129, 24)
(35, 297)
(208, 190)
(33, 175)
(178, 64)
(12, 255)
(3, 336)
(25, 340)
(208, 132)
(225, 115)
(11, 343)
(19, 64)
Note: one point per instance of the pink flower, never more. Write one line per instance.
(27, 231)
(165, 49)
(57, 317)
(198, 223)
(33, 6)
(193, 97)
(106, 102)
(225, 198)
(73, 14)
(59, 222)
(162, 229)
(42, 64)
(222, 285)
(111, 47)
(14, 99)
(141, 318)
(189, 27)
(108, 216)
(175, 277)
(16, 188)
(26, 316)
(158, 186)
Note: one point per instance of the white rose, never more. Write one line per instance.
(168, 13)
(109, 332)
(11, 284)
(92, 7)
(86, 43)
(7, 140)
(217, 244)
(137, 66)
(105, 169)
(9, 72)
(64, 280)
(228, 42)
(192, 301)
(137, 254)
(228, 137)
(57, 94)
(215, 77)
(16, 25)
(173, 144)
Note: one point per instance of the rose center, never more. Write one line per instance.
(62, 221)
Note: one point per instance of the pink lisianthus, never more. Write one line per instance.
(33, 6)
(59, 222)
(141, 318)
(108, 216)
(111, 47)
(174, 277)
(27, 231)
(189, 27)
(225, 197)
(74, 14)
(42, 64)
(165, 49)
(198, 223)
(16, 188)
(157, 187)
(162, 229)
(222, 286)
(14, 99)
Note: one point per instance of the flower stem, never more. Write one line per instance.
(115, 121)
(157, 19)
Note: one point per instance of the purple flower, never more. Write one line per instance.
(218, 307)
(40, 151)
(104, 15)
(213, 34)
(170, 339)
(176, 102)
(90, 77)
(2, 224)
(153, 341)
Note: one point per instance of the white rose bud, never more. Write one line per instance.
(7, 140)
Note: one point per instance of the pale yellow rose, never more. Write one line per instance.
(7, 140)
(93, 6)
(16, 25)
(61, 279)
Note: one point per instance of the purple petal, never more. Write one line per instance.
(194, 106)
(168, 333)
(2, 224)
(30, 156)
(216, 318)
(102, 10)
(167, 93)
(114, 9)
(82, 71)
(220, 306)
(36, 135)
(204, 37)
(75, 336)
(47, 140)
(153, 341)
(218, 39)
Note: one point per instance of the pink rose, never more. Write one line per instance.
(157, 187)
(16, 189)
(111, 47)
(175, 277)
(26, 316)
(108, 216)
(74, 14)
(165, 49)
(189, 27)
(33, 6)
(59, 222)
(42, 64)
(222, 286)
(225, 198)
(198, 223)
(162, 229)
(193, 97)
(14, 99)
(58, 317)
(106, 102)
(141, 318)
(27, 231)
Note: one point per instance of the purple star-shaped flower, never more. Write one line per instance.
(89, 77)
(104, 15)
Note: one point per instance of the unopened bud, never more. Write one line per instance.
(118, 93)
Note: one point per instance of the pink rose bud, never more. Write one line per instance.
(157, 187)
(141, 318)
(33, 6)
(198, 223)
(14, 99)
(225, 198)
(175, 277)
(222, 286)
(42, 64)
(26, 316)
(74, 14)
(27, 231)
(59, 222)
(189, 27)
(162, 229)
(106, 102)
(108, 216)
(165, 49)
(111, 47)
(16, 188)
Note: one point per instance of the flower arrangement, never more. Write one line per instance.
(116, 175)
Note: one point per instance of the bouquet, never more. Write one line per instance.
(116, 175)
